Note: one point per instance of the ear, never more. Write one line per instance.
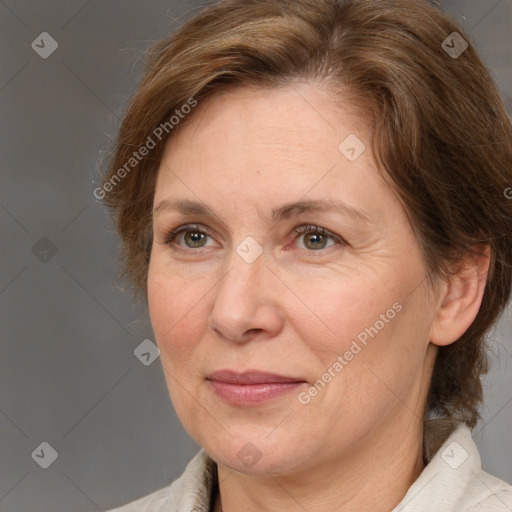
(460, 298)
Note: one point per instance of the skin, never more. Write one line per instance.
(357, 445)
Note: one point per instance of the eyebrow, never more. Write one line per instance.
(189, 207)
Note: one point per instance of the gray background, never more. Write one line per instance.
(68, 373)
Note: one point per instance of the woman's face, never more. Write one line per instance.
(291, 306)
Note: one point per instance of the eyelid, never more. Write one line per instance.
(170, 237)
(312, 228)
(339, 242)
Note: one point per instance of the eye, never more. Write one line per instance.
(315, 238)
(191, 237)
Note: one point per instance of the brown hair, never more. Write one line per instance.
(440, 132)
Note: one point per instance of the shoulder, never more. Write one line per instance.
(486, 493)
(482, 492)
(154, 502)
(453, 481)
(192, 489)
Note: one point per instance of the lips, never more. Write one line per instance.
(251, 387)
(250, 377)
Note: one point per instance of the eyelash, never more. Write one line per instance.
(308, 228)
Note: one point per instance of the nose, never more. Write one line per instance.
(246, 302)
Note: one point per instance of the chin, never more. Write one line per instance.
(252, 451)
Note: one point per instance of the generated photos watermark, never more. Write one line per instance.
(160, 132)
(355, 348)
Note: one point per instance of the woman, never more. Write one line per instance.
(311, 196)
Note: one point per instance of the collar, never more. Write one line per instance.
(441, 486)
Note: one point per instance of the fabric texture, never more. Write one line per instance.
(453, 481)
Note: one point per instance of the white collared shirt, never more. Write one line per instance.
(453, 481)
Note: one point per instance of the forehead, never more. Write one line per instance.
(295, 111)
(262, 127)
(262, 145)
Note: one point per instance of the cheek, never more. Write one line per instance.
(383, 346)
(177, 314)
(365, 333)
(341, 312)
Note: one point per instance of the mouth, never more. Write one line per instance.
(251, 387)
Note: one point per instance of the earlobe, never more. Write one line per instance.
(461, 298)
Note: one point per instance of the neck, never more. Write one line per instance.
(374, 477)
